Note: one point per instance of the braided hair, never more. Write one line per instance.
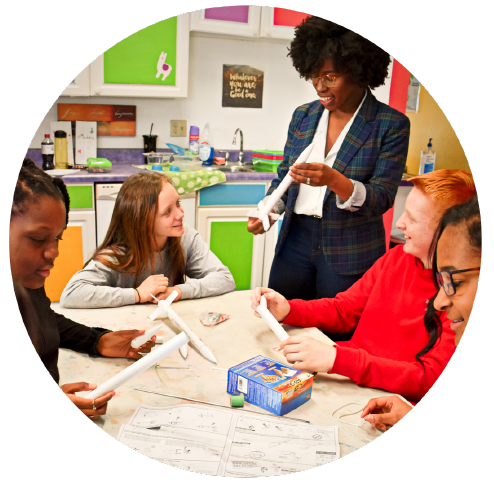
(33, 183)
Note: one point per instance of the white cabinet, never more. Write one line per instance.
(188, 203)
(118, 86)
(224, 229)
(86, 220)
(267, 22)
(270, 240)
(279, 22)
(235, 20)
(81, 85)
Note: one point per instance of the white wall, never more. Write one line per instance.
(264, 128)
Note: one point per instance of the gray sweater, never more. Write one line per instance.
(97, 286)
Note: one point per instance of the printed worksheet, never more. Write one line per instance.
(228, 442)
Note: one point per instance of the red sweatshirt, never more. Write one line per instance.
(387, 305)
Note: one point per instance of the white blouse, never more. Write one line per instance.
(310, 199)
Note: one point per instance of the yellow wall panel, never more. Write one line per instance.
(428, 122)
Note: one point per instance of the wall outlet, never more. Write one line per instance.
(178, 128)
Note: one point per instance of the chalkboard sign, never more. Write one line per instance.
(242, 86)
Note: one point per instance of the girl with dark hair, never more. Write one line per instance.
(38, 218)
(333, 229)
(148, 250)
(456, 263)
(386, 307)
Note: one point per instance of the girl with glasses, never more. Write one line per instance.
(457, 263)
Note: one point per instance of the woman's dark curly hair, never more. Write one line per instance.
(317, 40)
(467, 213)
(33, 183)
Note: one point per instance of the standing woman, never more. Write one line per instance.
(333, 229)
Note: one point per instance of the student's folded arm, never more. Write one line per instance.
(412, 380)
(340, 314)
(95, 287)
(78, 337)
(205, 274)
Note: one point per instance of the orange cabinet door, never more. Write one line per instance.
(69, 261)
(76, 249)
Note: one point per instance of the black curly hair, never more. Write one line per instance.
(467, 213)
(33, 183)
(317, 40)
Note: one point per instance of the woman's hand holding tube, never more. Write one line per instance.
(117, 344)
(86, 405)
(322, 175)
(254, 225)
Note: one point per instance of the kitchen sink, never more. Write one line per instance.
(235, 169)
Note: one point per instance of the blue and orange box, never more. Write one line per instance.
(270, 385)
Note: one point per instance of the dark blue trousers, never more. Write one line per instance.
(300, 271)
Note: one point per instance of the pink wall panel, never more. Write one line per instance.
(230, 14)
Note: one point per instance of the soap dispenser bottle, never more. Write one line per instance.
(427, 159)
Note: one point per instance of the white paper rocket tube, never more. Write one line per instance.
(157, 312)
(140, 340)
(164, 306)
(272, 322)
(138, 367)
(264, 209)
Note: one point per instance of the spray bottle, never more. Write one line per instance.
(427, 159)
(206, 150)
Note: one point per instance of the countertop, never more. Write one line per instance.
(240, 338)
(120, 172)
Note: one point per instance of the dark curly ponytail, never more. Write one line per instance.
(33, 183)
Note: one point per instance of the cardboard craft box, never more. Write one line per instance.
(270, 385)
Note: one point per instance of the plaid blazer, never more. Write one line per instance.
(373, 152)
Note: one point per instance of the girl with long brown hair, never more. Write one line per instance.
(148, 250)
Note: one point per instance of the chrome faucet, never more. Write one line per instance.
(241, 152)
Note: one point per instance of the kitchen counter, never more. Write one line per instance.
(122, 169)
(120, 172)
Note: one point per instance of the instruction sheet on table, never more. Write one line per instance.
(228, 443)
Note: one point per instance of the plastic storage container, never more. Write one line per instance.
(98, 164)
(267, 161)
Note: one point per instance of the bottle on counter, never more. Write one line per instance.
(427, 159)
(47, 152)
(206, 150)
(194, 139)
(61, 161)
